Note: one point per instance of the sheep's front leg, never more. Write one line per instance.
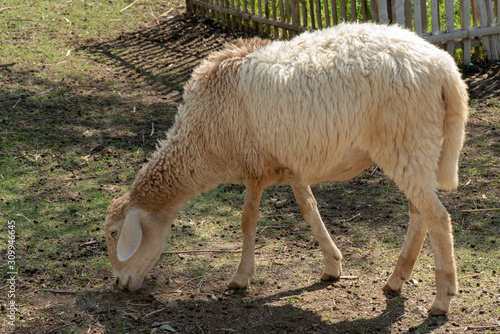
(309, 208)
(249, 226)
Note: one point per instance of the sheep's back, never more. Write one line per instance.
(352, 86)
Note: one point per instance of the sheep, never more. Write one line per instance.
(323, 106)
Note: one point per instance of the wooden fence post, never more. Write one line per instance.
(466, 25)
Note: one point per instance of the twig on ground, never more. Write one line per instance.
(167, 12)
(153, 15)
(210, 251)
(21, 215)
(131, 315)
(472, 276)
(13, 7)
(481, 210)
(60, 291)
(178, 290)
(154, 312)
(353, 217)
(133, 3)
(88, 243)
(15, 105)
(348, 277)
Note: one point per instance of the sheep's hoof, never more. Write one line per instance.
(388, 288)
(434, 312)
(233, 286)
(328, 277)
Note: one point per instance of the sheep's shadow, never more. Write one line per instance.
(239, 314)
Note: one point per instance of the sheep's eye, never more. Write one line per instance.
(113, 234)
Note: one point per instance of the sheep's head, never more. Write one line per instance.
(136, 239)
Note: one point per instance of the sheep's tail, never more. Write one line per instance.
(454, 94)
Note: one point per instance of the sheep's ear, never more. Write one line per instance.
(130, 236)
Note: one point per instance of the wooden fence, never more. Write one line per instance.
(470, 25)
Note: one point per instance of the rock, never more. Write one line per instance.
(168, 328)
(420, 310)
(281, 203)
(159, 324)
(412, 281)
(173, 304)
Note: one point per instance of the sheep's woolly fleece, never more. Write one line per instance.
(302, 103)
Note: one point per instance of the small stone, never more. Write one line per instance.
(173, 304)
(159, 324)
(281, 203)
(420, 310)
(168, 328)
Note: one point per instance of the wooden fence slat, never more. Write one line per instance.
(423, 9)
(466, 26)
(408, 15)
(343, 10)
(282, 16)
(391, 10)
(497, 10)
(304, 13)
(374, 10)
(354, 15)
(400, 12)
(327, 13)
(275, 17)
(259, 10)
(364, 10)
(318, 13)
(418, 18)
(334, 12)
(483, 23)
(491, 22)
(293, 12)
(311, 12)
(382, 12)
(267, 15)
(252, 11)
(435, 16)
(450, 25)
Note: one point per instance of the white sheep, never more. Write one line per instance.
(323, 106)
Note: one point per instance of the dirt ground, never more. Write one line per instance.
(281, 299)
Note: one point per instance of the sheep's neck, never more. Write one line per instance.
(173, 175)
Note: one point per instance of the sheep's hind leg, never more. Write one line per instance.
(249, 226)
(438, 224)
(417, 231)
(440, 234)
(309, 209)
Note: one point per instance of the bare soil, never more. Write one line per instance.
(286, 295)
